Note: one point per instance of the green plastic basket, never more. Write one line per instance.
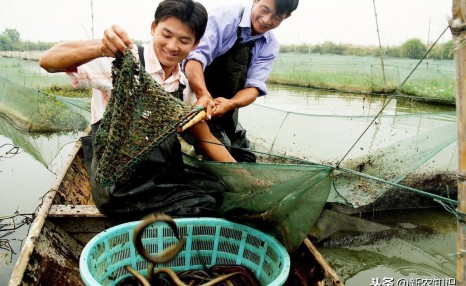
(209, 241)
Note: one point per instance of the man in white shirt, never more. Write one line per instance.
(177, 28)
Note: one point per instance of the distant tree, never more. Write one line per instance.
(5, 43)
(9, 40)
(13, 34)
(413, 48)
(331, 48)
(443, 51)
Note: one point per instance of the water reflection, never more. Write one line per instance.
(419, 244)
(28, 166)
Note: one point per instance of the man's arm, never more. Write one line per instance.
(215, 151)
(67, 56)
(242, 98)
(195, 75)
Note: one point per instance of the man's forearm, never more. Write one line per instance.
(195, 75)
(67, 56)
(244, 97)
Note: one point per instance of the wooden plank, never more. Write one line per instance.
(55, 260)
(74, 211)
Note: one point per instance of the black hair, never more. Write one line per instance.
(285, 6)
(189, 12)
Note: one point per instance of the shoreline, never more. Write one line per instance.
(35, 55)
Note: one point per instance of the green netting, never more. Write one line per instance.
(360, 73)
(29, 108)
(28, 73)
(417, 150)
(283, 199)
(140, 115)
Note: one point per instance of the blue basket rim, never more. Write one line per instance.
(88, 278)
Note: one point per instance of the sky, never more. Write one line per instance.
(314, 22)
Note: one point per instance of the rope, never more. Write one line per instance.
(391, 97)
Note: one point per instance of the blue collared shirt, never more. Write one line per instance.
(221, 35)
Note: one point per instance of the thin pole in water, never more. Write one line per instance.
(380, 45)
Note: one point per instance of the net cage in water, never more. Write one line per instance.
(282, 199)
(24, 104)
(416, 150)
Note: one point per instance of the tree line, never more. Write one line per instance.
(10, 40)
(412, 48)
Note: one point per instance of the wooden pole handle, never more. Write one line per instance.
(193, 121)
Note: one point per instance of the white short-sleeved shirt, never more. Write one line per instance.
(97, 74)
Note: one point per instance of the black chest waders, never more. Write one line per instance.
(159, 183)
(224, 77)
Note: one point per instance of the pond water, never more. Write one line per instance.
(416, 246)
(28, 167)
(427, 237)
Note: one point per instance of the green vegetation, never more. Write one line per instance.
(412, 48)
(68, 91)
(433, 79)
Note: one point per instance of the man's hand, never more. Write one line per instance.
(222, 105)
(208, 102)
(115, 41)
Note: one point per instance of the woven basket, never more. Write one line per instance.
(209, 241)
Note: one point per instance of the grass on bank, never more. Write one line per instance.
(68, 91)
(432, 79)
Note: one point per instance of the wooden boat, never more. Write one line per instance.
(68, 219)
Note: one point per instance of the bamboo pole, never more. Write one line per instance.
(458, 29)
(380, 46)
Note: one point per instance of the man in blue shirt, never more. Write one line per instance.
(232, 62)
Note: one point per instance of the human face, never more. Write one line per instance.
(172, 41)
(263, 17)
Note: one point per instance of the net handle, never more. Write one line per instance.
(193, 121)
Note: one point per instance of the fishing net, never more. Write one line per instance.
(415, 150)
(29, 108)
(140, 115)
(282, 199)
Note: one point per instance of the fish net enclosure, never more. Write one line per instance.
(24, 102)
(140, 115)
(397, 150)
